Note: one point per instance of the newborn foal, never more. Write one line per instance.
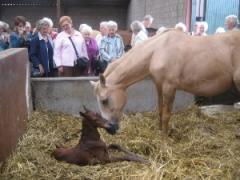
(91, 149)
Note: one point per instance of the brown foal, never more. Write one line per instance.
(91, 149)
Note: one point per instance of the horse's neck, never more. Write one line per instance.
(133, 68)
(89, 132)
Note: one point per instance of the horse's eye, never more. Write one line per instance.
(105, 102)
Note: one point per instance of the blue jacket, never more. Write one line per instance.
(42, 53)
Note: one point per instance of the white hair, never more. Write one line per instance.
(148, 17)
(137, 26)
(50, 22)
(220, 30)
(204, 23)
(161, 30)
(233, 18)
(86, 29)
(81, 27)
(28, 24)
(103, 23)
(112, 24)
(182, 26)
(2, 24)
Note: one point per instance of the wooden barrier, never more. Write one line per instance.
(14, 98)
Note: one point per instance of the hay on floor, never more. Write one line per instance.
(198, 148)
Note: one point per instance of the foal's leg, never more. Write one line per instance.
(128, 157)
(168, 96)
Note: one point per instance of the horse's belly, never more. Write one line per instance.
(208, 88)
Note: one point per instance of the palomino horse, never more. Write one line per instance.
(203, 66)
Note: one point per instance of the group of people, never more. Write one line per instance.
(57, 54)
(200, 28)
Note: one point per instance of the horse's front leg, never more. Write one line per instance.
(160, 105)
(168, 95)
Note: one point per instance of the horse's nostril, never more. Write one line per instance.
(113, 128)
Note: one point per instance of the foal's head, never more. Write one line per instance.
(95, 119)
(111, 101)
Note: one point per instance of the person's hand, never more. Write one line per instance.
(41, 69)
(60, 69)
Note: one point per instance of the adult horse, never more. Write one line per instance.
(203, 66)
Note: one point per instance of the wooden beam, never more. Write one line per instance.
(58, 9)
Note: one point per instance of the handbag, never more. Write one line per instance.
(80, 62)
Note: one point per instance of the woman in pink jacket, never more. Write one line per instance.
(65, 54)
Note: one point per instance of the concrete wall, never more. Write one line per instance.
(165, 13)
(14, 98)
(69, 94)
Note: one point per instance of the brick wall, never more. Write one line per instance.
(91, 15)
(165, 13)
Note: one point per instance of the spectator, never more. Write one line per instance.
(139, 34)
(103, 32)
(52, 33)
(64, 53)
(202, 28)
(147, 21)
(112, 46)
(41, 49)
(220, 30)
(4, 37)
(18, 38)
(92, 49)
(231, 23)
(181, 27)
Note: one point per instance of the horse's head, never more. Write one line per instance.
(111, 100)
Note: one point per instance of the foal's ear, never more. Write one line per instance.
(102, 80)
(85, 108)
(82, 114)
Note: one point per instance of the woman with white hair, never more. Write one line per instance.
(139, 36)
(103, 32)
(112, 46)
(92, 49)
(202, 28)
(4, 36)
(52, 33)
(231, 22)
(41, 50)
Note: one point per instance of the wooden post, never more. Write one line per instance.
(58, 9)
(188, 13)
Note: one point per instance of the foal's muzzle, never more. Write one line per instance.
(113, 127)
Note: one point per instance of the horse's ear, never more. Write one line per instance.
(93, 83)
(102, 80)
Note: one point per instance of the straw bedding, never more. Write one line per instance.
(198, 147)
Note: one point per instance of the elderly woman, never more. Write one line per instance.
(103, 32)
(41, 50)
(69, 45)
(112, 46)
(4, 38)
(92, 49)
(52, 33)
(139, 36)
(231, 22)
